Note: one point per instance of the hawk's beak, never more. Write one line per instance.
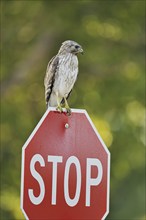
(81, 51)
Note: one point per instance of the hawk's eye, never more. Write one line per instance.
(77, 46)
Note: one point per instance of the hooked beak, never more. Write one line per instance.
(81, 51)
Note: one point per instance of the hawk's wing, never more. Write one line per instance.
(50, 77)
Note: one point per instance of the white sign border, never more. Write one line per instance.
(32, 135)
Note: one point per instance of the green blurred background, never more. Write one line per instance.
(110, 87)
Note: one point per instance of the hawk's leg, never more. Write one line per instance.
(67, 107)
(59, 108)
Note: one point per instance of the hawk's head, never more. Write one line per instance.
(70, 46)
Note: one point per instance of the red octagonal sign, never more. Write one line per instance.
(65, 169)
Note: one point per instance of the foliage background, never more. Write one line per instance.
(110, 87)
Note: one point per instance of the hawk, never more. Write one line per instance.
(61, 74)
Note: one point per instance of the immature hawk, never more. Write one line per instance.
(61, 74)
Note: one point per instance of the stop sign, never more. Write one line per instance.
(65, 169)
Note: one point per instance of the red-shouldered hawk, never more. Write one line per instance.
(61, 74)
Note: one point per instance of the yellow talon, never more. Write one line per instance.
(68, 110)
(58, 108)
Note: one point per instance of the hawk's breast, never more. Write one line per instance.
(66, 74)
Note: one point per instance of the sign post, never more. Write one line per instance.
(65, 169)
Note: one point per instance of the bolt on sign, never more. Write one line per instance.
(65, 169)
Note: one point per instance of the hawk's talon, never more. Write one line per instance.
(58, 108)
(68, 111)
